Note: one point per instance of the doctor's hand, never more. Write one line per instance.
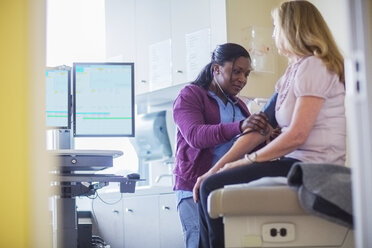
(258, 122)
(275, 133)
(195, 190)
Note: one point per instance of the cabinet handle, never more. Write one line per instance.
(166, 208)
(179, 71)
(143, 81)
(115, 211)
(128, 210)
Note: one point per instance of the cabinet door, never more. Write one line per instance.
(169, 223)
(141, 226)
(152, 26)
(187, 16)
(120, 30)
(109, 219)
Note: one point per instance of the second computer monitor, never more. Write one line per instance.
(103, 97)
(58, 100)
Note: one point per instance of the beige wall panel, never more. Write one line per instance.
(242, 14)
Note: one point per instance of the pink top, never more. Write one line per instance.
(327, 140)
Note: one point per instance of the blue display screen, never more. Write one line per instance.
(58, 103)
(103, 99)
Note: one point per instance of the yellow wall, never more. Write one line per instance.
(241, 15)
(23, 175)
(14, 151)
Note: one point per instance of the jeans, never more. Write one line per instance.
(189, 216)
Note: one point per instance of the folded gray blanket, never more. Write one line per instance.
(324, 190)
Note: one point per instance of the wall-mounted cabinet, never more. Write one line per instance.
(139, 30)
(155, 35)
(132, 26)
(152, 26)
(120, 30)
(187, 16)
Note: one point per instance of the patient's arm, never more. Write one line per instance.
(305, 114)
(245, 144)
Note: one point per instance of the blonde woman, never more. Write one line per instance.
(309, 109)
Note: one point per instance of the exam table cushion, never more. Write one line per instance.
(266, 196)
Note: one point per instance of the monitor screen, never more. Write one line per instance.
(103, 96)
(58, 100)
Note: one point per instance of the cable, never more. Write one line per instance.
(244, 133)
(98, 242)
(110, 203)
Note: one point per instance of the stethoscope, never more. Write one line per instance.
(233, 103)
(229, 100)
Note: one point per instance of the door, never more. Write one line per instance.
(169, 223)
(359, 117)
(141, 222)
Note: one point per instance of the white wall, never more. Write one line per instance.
(335, 13)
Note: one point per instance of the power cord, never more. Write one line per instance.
(98, 242)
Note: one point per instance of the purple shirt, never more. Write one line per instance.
(327, 140)
(197, 117)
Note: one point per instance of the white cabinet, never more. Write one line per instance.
(120, 30)
(133, 26)
(187, 16)
(166, 21)
(152, 221)
(138, 221)
(141, 226)
(152, 25)
(109, 219)
(169, 224)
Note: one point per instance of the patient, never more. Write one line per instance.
(309, 109)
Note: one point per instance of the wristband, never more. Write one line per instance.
(251, 157)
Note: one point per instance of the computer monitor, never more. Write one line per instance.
(103, 99)
(58, 97)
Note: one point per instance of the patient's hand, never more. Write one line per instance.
(258, 122)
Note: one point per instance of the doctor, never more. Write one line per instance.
(208, 115)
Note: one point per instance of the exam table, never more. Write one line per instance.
(274, 212)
